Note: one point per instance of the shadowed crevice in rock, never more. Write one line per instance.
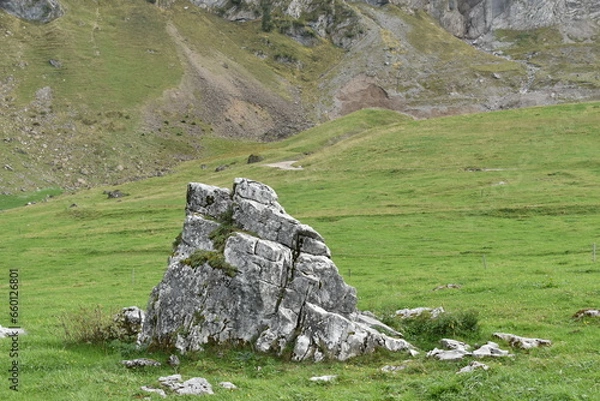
(282, 292)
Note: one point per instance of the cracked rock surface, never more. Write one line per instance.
(275, 286)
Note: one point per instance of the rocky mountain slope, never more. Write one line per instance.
(103, 92)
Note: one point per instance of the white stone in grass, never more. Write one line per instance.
(455, 350)
(491, 349)
(139, 363)
(448, 355)
(454, 344)
(195, 386)
(158, 391)
(522, 342)
(328, 378)
(416, 312)
(474, 365)
(169, 381)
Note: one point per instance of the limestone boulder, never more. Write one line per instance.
(244, 271)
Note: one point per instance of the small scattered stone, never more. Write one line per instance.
(396, 368)
(456, 350)
(474, 365)
(115, 194)
(222, 167)
(490, 349)
(323, 378)
(195, 386)
(523, 342)
(448, 355)
(228, 385)
(169, 381)
(454, 344)
(412, 313)
(140, 362)
(55, 63)
(447, 286)
(158, 391)
(173, 361)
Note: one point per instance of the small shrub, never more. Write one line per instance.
(89, 326)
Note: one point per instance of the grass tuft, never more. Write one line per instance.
(426, 331)
(214, 259)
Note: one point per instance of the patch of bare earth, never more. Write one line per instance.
(227, 99)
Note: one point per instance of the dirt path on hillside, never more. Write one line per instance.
(287, 165)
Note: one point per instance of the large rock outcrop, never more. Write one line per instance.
(244, 271)
(33, 10)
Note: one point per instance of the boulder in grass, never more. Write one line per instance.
(243, 271)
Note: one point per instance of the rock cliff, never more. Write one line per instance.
(299, 19)
(244, 271)
(471, 19)
(578, 19)
(33, 10)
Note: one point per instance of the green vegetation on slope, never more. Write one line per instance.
(405, 206)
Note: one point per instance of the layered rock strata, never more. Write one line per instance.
(245, 271)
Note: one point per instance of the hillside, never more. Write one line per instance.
(503, 204)
(114, 91)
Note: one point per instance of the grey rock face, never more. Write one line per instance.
(33, 10)
(268, 281)
(333, 20)
(474, 18)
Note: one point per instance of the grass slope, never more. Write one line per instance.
(404, 205)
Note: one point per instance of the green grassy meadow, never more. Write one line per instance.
(503, 204)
